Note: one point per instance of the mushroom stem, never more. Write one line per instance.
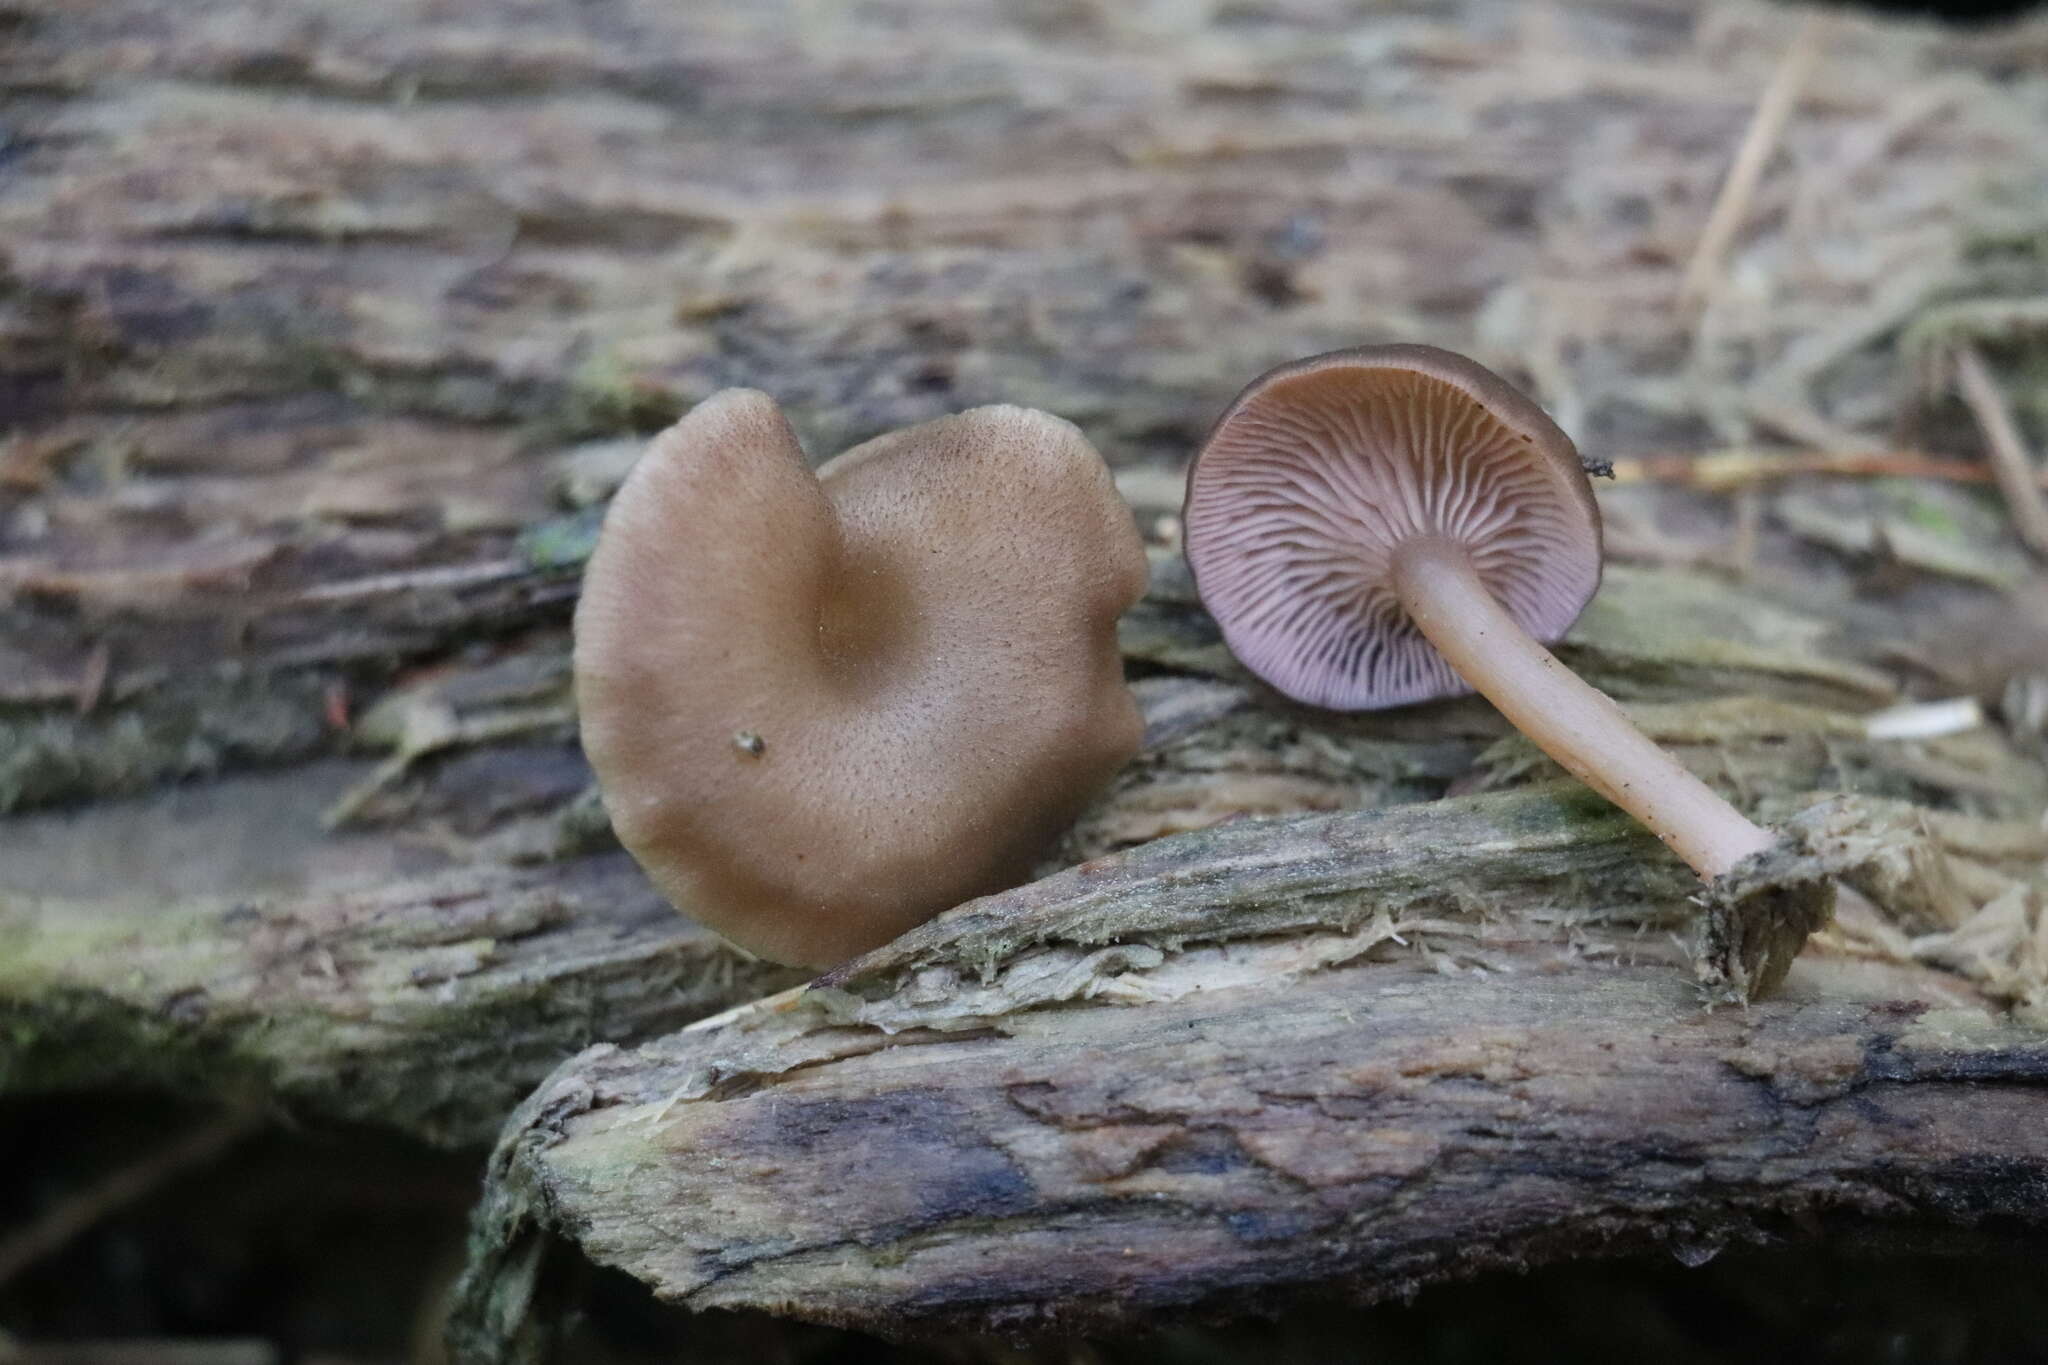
(1572, 721)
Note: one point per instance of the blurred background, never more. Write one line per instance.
(325, 330)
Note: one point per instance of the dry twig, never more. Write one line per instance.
(1727, 470)
(23, 1248)
(1759, 140)
(2017, 477)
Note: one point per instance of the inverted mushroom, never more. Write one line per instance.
(1392, 524)
(823, 708)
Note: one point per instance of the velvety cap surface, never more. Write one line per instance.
(1321, 470)
(823, 708)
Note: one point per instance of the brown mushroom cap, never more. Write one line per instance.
(823, 708)
(1321, 469)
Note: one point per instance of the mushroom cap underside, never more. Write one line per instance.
(1319, 474)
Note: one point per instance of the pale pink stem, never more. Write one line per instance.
(1564, 716)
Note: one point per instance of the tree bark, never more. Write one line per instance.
(1358, 1052)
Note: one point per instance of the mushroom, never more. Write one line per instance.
(1392, 524)
(824, 707)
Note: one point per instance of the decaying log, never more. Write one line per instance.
(430, 1005)
(1365, 1050)
(433, 1001)
(1359, 1051)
